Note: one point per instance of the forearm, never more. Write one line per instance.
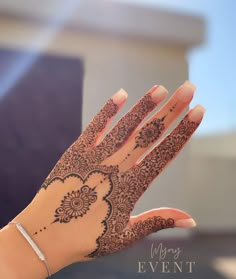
(17, 258)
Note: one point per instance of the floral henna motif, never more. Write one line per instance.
(99, 122)
(75, 204)
(82, 159)
(149, 168)
(118, 241)
(150, 133)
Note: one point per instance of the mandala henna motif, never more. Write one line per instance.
(159, 157)
(150, 133)
(75, 204)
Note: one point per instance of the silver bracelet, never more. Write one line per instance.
(34, 246)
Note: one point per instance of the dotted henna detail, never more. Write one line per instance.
(75, 204)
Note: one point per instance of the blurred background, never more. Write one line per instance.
(61, 60)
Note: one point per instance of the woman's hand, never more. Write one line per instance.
(83, 208)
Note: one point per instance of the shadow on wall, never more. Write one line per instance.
(40, 116)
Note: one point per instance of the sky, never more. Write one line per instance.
(212, 65)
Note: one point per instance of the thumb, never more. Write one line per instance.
(158, 219)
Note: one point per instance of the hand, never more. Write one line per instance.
(83, 208)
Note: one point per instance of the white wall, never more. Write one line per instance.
(212, 178)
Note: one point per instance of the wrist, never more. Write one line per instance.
(49, 241)
(17, 258)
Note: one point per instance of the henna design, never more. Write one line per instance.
(120, 240)
(131, 186)
(75, 204)
(160, 156)
(83, 160)
(173, 107)
(150, 133)
(79, 156)
(89, 136)
(122, 130)
(72, 160)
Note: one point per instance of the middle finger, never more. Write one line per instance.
(147, 135)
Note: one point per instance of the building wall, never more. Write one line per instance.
(113, 61)
(212, 179)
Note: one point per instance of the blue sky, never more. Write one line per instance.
(212, 66)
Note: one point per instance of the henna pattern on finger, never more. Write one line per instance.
(72, 160)
(118, 241)
(132, 184)
(79, 155)
(122, 130)
(99, 122)
(152, 165)
(150, 133)
(173, 107)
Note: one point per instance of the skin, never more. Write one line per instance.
(82, 210)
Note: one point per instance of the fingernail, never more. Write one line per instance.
(158, 93)
(187, 82)
(185, 93)
(120, 96)
(185, 223)
(196, 114)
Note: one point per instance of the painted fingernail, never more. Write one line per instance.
(185, 223)
(196, 114)
(158, 93)
(185, 93)
(120, 96)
